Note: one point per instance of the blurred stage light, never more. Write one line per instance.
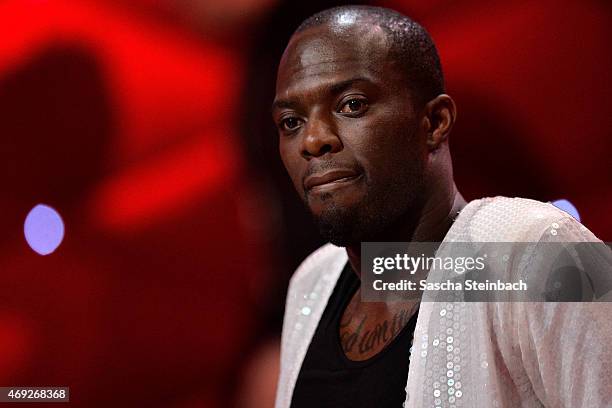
(43, 229)
(568, 207)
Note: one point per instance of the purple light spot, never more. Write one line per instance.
(43, 229)
(568, 207)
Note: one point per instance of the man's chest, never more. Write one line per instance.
(366, 328)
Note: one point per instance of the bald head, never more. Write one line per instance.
(362, 121)
(409, 44)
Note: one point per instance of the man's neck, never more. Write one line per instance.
(432, 225)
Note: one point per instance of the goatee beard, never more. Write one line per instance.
(373, 219)
(344, 226)
(339, 226)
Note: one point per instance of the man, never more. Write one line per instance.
(363, 126)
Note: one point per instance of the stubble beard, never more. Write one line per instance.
(367, 221)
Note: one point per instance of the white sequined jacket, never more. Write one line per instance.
(476, 354)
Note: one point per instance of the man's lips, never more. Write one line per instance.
(329, 178)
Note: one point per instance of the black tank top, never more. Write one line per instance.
(328, 379)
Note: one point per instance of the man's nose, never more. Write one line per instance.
(320, 138)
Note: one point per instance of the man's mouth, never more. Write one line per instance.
(330, 179)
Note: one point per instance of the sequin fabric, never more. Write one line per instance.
(476, 354)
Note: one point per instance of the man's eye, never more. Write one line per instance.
(354, 106)
(290, 123)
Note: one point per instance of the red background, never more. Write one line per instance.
(146, 125)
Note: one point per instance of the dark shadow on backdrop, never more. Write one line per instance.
(489, 157)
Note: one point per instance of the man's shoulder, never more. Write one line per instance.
(506, 219)
(323, 260)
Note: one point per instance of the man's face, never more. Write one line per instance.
(349, 133)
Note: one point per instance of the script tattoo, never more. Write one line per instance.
(363, 341)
